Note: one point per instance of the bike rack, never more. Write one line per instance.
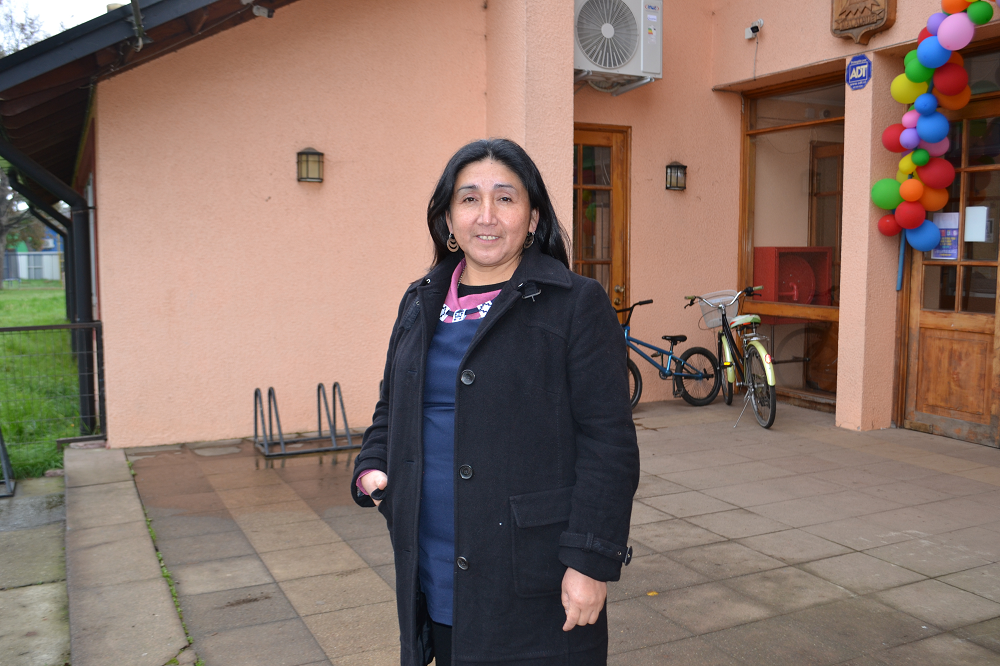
(6, 470)
(263, 433)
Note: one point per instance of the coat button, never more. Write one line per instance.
(462, 563)
(465, 471)
(427, 280)
(468, 376)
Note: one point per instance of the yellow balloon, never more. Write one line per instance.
(906, 91)
(906, 164)
(902, 177)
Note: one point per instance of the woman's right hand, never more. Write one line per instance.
(372, 481)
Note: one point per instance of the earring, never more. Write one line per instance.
(452, 243)
(530, 240)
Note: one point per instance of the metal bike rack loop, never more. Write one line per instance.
(264, 436)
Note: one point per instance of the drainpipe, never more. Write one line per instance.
(140, 32)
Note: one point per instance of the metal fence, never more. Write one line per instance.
(52, 384)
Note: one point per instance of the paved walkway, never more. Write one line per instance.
(805, 544)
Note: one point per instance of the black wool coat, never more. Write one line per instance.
(546, 463)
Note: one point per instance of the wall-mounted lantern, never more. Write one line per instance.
(310, 166)
(676, 176)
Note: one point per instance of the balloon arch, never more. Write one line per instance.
(935, 78)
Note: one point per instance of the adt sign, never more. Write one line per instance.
(859, 72)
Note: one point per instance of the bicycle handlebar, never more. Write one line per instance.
(749, 291)
(632, 307)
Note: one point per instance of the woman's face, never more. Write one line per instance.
(491, 216)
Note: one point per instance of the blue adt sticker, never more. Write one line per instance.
(859, 72)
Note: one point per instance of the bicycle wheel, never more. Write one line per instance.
(634, 382)
(726, 387)
(698, 392)
(762, 395)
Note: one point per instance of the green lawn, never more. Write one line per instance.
(37, 377)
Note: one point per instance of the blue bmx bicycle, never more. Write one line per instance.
(695, 372)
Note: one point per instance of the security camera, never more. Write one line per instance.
(754, 28)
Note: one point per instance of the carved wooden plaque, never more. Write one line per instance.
(860, 19)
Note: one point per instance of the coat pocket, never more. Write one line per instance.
(538, 519)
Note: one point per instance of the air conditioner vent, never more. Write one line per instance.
(607, 32)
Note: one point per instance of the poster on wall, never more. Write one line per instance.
(948, 224)
(978, 227)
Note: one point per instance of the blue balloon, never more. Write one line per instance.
(926, 104)
(924, 238)
(932, 128)
(931, 54)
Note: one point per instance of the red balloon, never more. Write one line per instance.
(937, 174)
(950, 79)
(888, 226)
(924, 34)
(890, 138)
(910, 215)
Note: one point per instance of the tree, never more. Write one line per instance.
(17, 30)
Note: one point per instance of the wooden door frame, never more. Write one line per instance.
(624, 207)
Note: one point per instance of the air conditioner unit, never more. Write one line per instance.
(618, 45)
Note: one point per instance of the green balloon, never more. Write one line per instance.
(980, 12)
(917, 73)
(885, 194)
(920, 157)
(909, 56)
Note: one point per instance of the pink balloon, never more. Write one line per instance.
(909, 139)
(934, 22)
(910, 119)
(956, 31)
(936, 149)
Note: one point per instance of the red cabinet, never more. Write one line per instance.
(802, 275)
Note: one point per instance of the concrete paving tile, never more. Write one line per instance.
(805, 464)
(110, 555)
(737, 523)
(387, 572)
(963, 511)
(672, 535)
(267, 538)
(213, 612)
(106, 504)
(244, 479)
(682, 653)
(728, 475)
(861, 573)
(990, 475)
(380, 657)
(333, 592)
(228, 464)
(928, 557)
(164, 506)
(853, 477)
(947, 464)
(901, 471)
(249, 517)
(849, 457)
(787, 589)
(986, 634)
(939, 650)
(642, 514)
(806, 511)
(354, 522)
(311, 561)
(653, 486)
(702, 609)
(778, 641)
(940, 604)
(34, 625)
(907, 494)
(984, 581)
(978, 541)
(861, 533)
(634, 624)
(218, 575)
(771, 451)
(31, 556)
(245, 497)
(88, 467)
(954, 484)
(46, 485)
(682, 505)
(991, 498)
(331, 488)
(861, 625)
(132, 623)
(724, 560)
(216, 546)
(375, 551)
(194, 524)
(793, 546)
(773, 490)
(652, 573)
(184, 480)
(286, 642)
(354, 630)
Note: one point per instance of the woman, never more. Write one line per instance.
(502, 451)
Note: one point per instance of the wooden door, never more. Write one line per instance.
(953, 365)
(600, 207)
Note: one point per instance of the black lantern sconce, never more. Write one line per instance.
(676, 176)
(310, 166)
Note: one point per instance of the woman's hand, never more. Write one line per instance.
(372, 481)
(582, 597)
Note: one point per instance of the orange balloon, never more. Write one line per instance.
(957, 59)
(911, 190)
(933, 199)
(954, 102)
(954, 6)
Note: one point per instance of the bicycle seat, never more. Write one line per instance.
(744, 320)
(675, 338)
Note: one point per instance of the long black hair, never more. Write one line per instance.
(548, 233)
